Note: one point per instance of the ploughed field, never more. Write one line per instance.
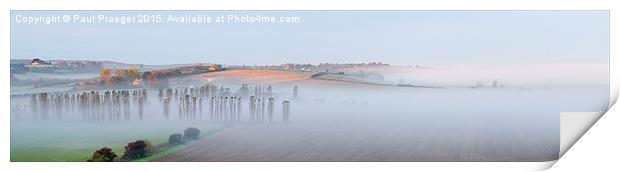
(342, 142)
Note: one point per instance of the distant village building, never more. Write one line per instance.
(322, 67)
(39, 62)
(58, 66)
(38, 65)
(136, 83)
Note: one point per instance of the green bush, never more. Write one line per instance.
(136, 150)
(175, 138)
(104, 154)
(191, 133)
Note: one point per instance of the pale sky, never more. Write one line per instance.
(395, 37)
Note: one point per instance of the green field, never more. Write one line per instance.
(76, 142)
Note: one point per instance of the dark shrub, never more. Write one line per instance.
(191, 133)
(175, 138)
(136, 150)
(104, 154)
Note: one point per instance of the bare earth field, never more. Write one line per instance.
(299, 143)
(256, 76)
(277, 79)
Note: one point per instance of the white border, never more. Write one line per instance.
(280, 5)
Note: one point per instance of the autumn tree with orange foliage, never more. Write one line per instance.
(133, 73)
(120, 73)
(105, 75)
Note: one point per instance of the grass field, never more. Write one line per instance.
(55, 154)
(77, 142)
